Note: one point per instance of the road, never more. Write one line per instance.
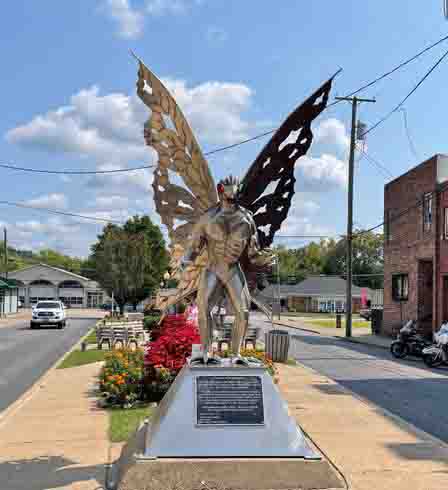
(406, 388)
(25, 355)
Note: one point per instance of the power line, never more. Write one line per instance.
(398, 67)
(408, 134)
(395, 109)
(53, 211)
(74, 172)
(383, 170)
(239, 143)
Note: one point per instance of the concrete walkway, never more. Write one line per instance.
(57, 438)
(372, 449)
(362, 335)
(7, 321)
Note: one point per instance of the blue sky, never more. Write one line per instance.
(236, 68)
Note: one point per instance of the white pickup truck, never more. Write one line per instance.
(48, 313)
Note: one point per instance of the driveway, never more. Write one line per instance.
(405, 388)
(25, 355)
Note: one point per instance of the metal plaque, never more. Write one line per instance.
(229, 400)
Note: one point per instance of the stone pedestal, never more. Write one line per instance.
(227, 426)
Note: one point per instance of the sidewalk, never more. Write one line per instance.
(58, 438)
(361, 335)
(372, 449)
(6, 321)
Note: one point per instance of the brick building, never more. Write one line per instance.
(416, 247)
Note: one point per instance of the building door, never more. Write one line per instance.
(445, 299)
(424, 295)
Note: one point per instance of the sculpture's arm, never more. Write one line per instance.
(258, 256)
(196, 244)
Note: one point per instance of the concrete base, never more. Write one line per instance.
(134, 472)
(175, 433)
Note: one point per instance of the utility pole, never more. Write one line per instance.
(5, 244)
(351, 166)
(278, 286)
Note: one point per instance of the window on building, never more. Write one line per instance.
(400, 287)
(445, 223)
(387, 225)
(427, 211)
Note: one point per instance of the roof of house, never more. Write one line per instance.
(55, 269)
(313, 286)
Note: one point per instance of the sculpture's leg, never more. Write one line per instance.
(209, 290)
(238, 294)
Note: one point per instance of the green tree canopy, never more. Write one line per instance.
(130, 260)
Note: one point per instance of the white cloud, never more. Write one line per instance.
(54, 201)
(54, 225)
(214, 109)
(332, 132)
(121, 182)
(321, 173)
(110, 201)
(109, 128)
(129, 20)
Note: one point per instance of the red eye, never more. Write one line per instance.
(220, 188)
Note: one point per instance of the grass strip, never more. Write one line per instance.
(79, 358)
(332, 323)
(91, 338)
(123, 422)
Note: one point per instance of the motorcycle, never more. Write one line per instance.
(437, 354)
(408, 342)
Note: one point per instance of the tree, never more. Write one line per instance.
(367, 259)
(129, 261)
(56, 259)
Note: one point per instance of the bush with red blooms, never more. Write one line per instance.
(165, 356)
(173, 345)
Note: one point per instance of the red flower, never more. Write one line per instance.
(173, 346)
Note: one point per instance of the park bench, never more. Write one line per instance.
(223, 335)
(120, 334)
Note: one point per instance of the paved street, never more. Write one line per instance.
(26, 354)
(406, 388)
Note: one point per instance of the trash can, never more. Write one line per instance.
(277, 345)
(377, 321)
(338, 320)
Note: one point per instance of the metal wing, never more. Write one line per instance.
(168, 132)
(274, 167)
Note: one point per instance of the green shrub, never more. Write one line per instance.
(181, 308)
(121, 378)
(151, 322)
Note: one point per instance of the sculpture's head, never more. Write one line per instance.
(228, 189)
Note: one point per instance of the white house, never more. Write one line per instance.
(44, 282)
(8, 296)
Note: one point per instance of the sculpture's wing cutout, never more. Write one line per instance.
(179, 155)
(179, 158)
(268, 187)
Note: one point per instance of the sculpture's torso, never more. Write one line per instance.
(227, 233)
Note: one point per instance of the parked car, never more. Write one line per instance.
(48, 313)
(108, 307)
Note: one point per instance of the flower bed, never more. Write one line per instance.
(167, 353)
(121, 378)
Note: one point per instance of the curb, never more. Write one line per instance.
(353, 340)
(36, 386)
(404, 424)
